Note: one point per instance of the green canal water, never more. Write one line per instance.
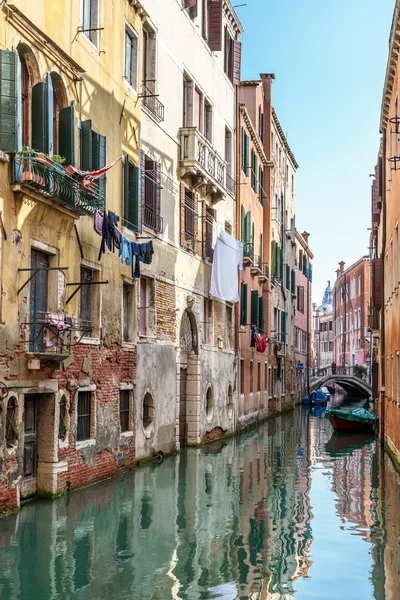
(286, 511)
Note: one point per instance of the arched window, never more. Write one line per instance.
(230, 401)
(11, 422)
(25, 99)
(148, 411)
(209, 402)
(62, 425)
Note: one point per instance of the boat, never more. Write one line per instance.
(332, 388)
(358, 419)
(326, 391)
(315, 397)
(342, 443)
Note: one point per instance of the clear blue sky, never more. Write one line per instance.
(329, 60)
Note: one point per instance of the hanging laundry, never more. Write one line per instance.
(253, 338)
(98, 221)
(125, 251)
(109, 236)
(136, 254)
(224, 275)
(146, 252)
(261, 343)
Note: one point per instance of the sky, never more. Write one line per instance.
(329, 60)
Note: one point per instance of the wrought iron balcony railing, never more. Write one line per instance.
(248, 252)
(152, 219)
(230, 184)
(152, 103)
(40, 173)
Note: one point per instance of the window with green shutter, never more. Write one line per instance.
(261, 191)
(245, 151)
(254, 307)
(261, 323)
(283, 326)
(273, 258)
(293, 285)
(310, 273)
(287, 282)
(93, 152)
(132, 197)
(243, 223)
(9, 101)
(254, 169)
(243, 304)
(66, 134)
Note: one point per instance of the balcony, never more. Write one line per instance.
(39, 173)
(200, 161)
(152, 103)
(248, 254)
(152, 219)
(256, 268)
(264, 275)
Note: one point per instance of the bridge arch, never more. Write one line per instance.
(347, 381)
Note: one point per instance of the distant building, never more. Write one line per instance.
(324, 330)
(350, 313)
(303, 314)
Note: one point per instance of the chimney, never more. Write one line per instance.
(266, 80)
(337, 273)
(305, 235)
(341, 266)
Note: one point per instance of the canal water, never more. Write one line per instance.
(286, 511)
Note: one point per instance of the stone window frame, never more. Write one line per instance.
(93, 417)
(96, 303)
(131, 426)
(63, 443)
(149, 429)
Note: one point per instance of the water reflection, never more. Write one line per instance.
(288, 511)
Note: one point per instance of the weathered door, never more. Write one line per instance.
(30, 445)
(38, 299)
(182, 407)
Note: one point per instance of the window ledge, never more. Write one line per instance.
(130, 86)
(128, 345)
(143, 338)
(4, 157)
(90, 341)
(90, 41)
(127, 434)
(84, 444)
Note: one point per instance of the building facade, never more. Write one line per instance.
(324, 335)
(303, 321)
(253, 217)
(351, 292)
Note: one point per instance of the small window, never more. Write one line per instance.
(146, 307)
(84, 421)
(128, 312)
(228, 55)
(208, 321)
(251, 377)
(209, 402)
(62, 424)
(90, 20)
(230, 402)
(88, 294)
(124, 410)
(131, 58)
(11, 422)
(242, 376)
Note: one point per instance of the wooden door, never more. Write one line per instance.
(38, 299)
(182, 407)
(30, 438)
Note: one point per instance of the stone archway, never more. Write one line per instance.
(188, 335)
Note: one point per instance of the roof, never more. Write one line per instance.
(303, 242)
(283, 138)
(391, 68)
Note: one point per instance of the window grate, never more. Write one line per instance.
(84, 416)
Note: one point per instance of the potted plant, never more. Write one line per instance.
(25, 167)
(359, 371)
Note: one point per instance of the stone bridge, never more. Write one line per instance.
(343, 377)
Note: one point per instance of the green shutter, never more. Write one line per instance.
(135, 198)
(86, 146)
(246, 154)
(310, 273)
(66, 134)
(243, 304)
(254, 307)
(247, 223)
(273, 258)
(293, 286)
(261, 186)
(242, 223)
(279, 265)
(102, 163)
(261, 246)
(255, 173)
(49, 117)
(9, 97)
(261, 324)
(39, 117)
(283, 326)
(252, 233)
(287, 283)
(243, 151)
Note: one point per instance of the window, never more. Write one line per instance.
(300, 298)
(254, 308)
(228, 152)
(93, 154)
(128, 312)
(84, 422)
(132, 196)
(230, 340)
(124, 410)
(151, 184)
(251, 377)
(198, 109)
(242, 376)
(208, 121)
(260, 123)
(259, 377)
(270, 382)
(86, 297)
(261, 192)
(300, 260)
(265, 376)
(131, 58)
(214, 25)
(11, 422)
(90, 20)
(254, 170)
(228, 55)
(208, 220)
(148, 411)
(243, 304)
(209, 402)
(245, 152)
(62, 423)
(25, 93)
(189, 220)
(192, 6)
(147, 307)
(149, 73)
(208, 321)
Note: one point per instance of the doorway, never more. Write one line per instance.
(182, 407)
(30, 446)
(38, 299)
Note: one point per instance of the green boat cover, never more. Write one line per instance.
(358, 414)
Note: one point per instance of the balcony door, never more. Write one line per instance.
(38, 299)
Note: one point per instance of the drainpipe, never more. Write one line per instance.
(382, 358)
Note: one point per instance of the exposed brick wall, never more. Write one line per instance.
(165, 310)
(219, 322)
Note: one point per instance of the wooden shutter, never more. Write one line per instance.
(38, 117)
(288, 277)
(86, 146)
(247, 222)
(273, 258)
(242, 223)
(283, 326)
(182, 213)
(157, 177)
(215, 25)
(293, 283)
(66, 134)
(99, 158)
(237, 60)
(135, 198)
(49, 108)
(196, 221)
(261, 324)
(254, 307)
(9, 95)
(243, 304)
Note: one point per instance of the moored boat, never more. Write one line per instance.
(315, 397)
(358, 419)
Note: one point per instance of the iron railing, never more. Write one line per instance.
(153, 104)
(266, 271)
(152, 219)
(52, 334)
(257, 263)
(248, 250)
(230, 184)
(37, 171)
